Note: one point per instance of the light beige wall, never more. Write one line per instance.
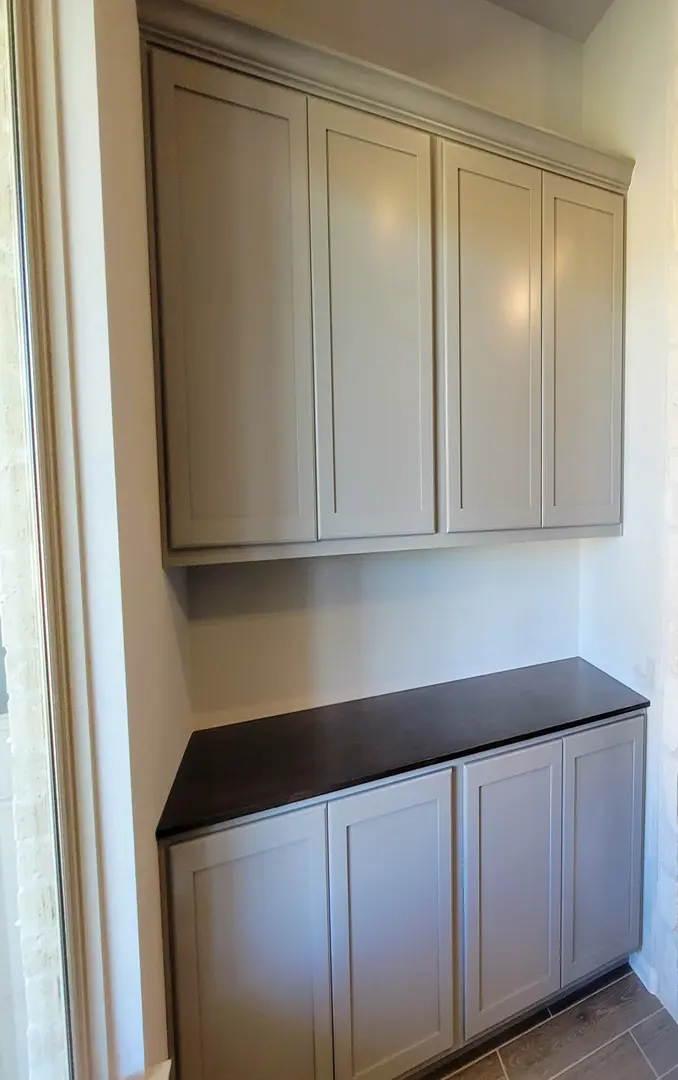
(279, 636)
(154, 619)
(135, 624)
(470, 47)
(630, 105)
(361, 624)
(272, 637)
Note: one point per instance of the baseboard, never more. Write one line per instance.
(159, 1072)
(645, 972)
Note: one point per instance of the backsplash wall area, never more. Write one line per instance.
(273, 637)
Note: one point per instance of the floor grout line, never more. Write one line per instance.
(563, 1012)
(619, 1035)
(564, 1072)
(651, 1066)
(555, 1016)
(600, 990)
(503, 1067)
(648, 1017)
(469, 1065)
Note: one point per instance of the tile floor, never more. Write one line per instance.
(617, 1032)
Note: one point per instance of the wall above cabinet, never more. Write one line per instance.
(386, 319)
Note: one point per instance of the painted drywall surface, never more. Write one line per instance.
(468, 47)
(278, 636)
(272, 637)
(627, 64)
(141, 716)
(103, 588)
(506, 607)
(154, 622)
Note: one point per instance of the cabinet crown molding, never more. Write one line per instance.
(222, 39)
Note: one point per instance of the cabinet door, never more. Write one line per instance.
(489, 221)
(512, 878)
(371, 237)
(583, 311)
(391, 902)
(231, 186)
(251, 951)
(602, 846)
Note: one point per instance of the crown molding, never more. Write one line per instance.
(192, 29)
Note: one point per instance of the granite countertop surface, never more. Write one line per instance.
(230, 772)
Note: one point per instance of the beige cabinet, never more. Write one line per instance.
(583, 327)
(302, 411)
(390, 856)
(512, 883)
(489, 238)
(231, 193)
(602, 846)
(372, 268)
(251, 951)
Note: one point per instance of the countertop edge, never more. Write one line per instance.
(173, 834)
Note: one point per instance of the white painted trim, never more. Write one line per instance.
(644, 971)
(159, 1072)
(433, 542)
(202, 33)
(36, 23)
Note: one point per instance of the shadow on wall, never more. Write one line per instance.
(274, 637)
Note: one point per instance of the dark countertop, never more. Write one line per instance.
(240, 769)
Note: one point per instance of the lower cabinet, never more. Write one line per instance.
(512, 873)
(251, 954)
(318, 943)
(602, 846)
(391, 901)
(552, 857)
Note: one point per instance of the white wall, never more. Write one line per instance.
(270, 637)
(627, 71)
(469, 47)
(135, 624)
(267, 638)
(263, 637)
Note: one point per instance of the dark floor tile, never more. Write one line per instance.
(488, 1068)
(673, 1075)
(658, 1039)
(568, 1037)
(591, 988)
(483, 1046)
(619, 1060)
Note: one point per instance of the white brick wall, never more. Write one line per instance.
(666, 917)
(30, 934)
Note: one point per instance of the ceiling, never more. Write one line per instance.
(574, 18)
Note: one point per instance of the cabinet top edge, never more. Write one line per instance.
(238, 770)
(198, 31)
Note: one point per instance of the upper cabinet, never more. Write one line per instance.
(372, 337)
(372, 266)
(489, 227)
(231, 190)
(583, 328)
